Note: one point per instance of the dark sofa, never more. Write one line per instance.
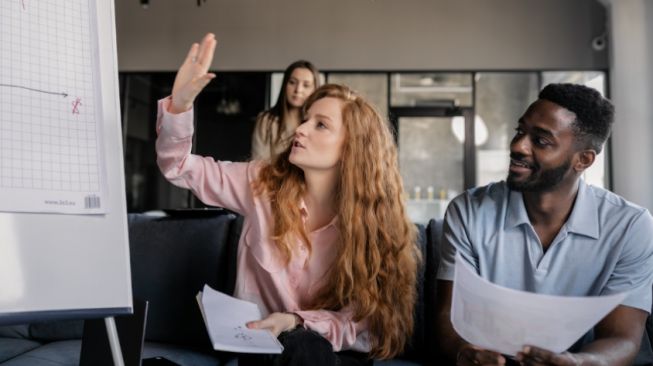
(172, 258)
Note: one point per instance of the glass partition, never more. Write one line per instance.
(431, 157)
(373, 87)
(501, 98)
(431, 113)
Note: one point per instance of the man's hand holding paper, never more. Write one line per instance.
(505, 320)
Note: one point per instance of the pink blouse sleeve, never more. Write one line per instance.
(215, 183)
(338, 328)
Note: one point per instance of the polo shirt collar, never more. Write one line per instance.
(516, 214)
(584, 218)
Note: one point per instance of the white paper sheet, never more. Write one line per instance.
(51, 123)
(505, 320)
(225, 319)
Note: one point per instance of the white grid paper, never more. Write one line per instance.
(50, 156)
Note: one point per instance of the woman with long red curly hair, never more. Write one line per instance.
(327, 250)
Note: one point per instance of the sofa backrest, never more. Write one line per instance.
(171, 260)
(57, 330)
(434, 240)
(170, 282)
(14, 331)
(422, 347)
(415, 348)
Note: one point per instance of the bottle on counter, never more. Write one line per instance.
(430, 193)
(418, 192)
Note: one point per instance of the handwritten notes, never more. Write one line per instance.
(225, 318)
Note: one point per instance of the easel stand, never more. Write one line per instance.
(112, 333)
(116, 341)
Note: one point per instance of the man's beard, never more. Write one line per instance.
(545, 181)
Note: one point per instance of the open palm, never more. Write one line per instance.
(193, 75)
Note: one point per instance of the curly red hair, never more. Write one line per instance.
(375, 271)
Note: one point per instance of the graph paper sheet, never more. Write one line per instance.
(51, 155)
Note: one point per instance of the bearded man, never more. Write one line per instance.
(544, 230)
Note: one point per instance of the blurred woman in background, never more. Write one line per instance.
(275, 126)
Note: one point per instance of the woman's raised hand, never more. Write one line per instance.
(193, 74)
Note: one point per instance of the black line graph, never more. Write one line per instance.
(63, 94)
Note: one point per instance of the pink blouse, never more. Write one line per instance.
(262, 276)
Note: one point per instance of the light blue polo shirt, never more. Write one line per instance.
(605, 247)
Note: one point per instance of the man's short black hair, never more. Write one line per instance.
(594, 113)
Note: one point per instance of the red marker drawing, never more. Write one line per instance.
(76, 105)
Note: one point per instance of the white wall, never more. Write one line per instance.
(365, 34)
(632, 92)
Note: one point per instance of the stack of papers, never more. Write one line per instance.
(225, 318)
(504, 320)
